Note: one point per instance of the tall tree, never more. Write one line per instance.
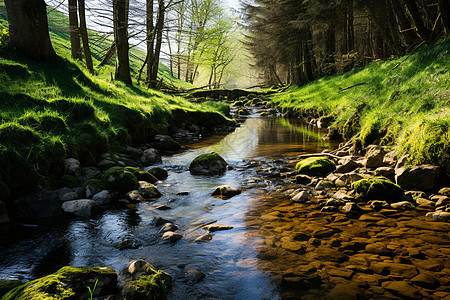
(84, 36)
(444, 7)
(74, 30)
(28, 28)
(120, 13)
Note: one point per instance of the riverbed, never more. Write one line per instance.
(257, 152)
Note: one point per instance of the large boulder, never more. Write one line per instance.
(120, 179)
(316, 166)
(378, 188)
(158, 173)
(208, 164)
(146, 283)
(82, 208)
(68, 283)
(423, 177)
(150, 157)
(166, 143)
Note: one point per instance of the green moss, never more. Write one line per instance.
(67, 283)
(94, 182)
(210, 163)
(154, 286)
(7, 285)
(119, 179)
(378, 188)
(243, 112)
(316, 166)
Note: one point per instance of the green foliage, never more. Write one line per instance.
(4, 38)
(408, 106)
(315, 166)
(378, 188)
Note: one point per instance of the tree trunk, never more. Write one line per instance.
(423, 32)
(84, 37)
(74, 30)
(444, 8)
(150, 39)
(159, 32)
(121, 40)
(109, 54)
(28, 28)
(350, 28)
(410, 37)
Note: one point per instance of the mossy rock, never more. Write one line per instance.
(378, 188)
(208, 164)
(316, 166)
(120, 179)
(7, 285)
(243, 112)
(68, 181)
(95, 183)
(67, 283)
(148, 287)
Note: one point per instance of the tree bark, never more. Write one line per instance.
(423, 31)
(28, 28)
(74, 30)
(410, 36)
(84, 37)
(444, 8)
(109, 54)
(159, 33)
(150, 39)
(121, 40)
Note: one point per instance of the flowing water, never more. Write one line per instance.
(229, 260)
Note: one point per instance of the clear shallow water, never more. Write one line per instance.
(229, 260)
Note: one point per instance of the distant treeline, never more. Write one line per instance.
(296, 41)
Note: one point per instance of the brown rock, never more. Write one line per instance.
(402, 289)
(426, 280)
(423, 177)
(386, 268)
(345, 273)
(374, 157)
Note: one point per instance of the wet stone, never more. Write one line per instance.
(171, 237)
(168, 227)
(193, 276)
(204, 238)
(216, 227)
(128, 244)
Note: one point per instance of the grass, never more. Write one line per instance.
(408, 107)
(52, 111)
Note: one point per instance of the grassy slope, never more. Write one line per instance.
(408, 107)
(51, 111)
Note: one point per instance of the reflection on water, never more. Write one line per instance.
(230, 260)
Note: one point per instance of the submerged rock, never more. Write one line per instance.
(208, 164)
(226, 191)
(378, 188)
(128, 244)
(171, 237)
(316, 166)
(68, 283)
(301, 197)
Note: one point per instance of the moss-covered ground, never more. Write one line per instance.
(52, 111)
(406, 105)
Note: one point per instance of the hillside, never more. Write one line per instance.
(50, 112)
(403, 102)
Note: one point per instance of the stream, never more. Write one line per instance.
(229, 261)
